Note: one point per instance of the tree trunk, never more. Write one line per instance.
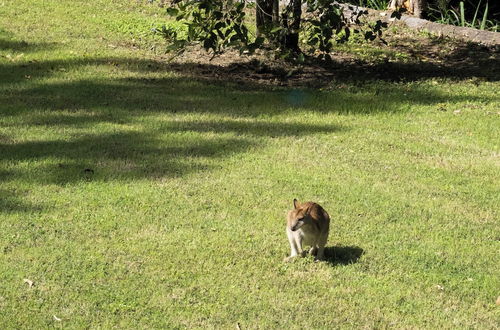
(395, 4)
(266, 15)
(291, 41)
(415, 7)
(418, 7)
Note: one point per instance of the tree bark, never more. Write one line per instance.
(419, 7)
(291, 41)
(415, 7)
(266, 15)
(395, 4)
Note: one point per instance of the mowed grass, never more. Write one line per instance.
(134, 197)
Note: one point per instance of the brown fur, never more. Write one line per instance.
(307, 223)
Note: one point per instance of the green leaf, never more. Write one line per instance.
(276, 29)
(208, 43)
(171, 11)
(259, 41)
(218, 15)
(240, 6)
(369, 35)
(219, 25)
(313, 41)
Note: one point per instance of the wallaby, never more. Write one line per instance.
(307, 223)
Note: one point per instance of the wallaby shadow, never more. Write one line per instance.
(343, 255)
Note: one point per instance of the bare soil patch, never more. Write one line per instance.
(408, 56)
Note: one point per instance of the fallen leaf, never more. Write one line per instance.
(30, 283)
(56, 318)
(498, 301)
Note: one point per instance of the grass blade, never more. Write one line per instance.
(475, 14)
(455, 15)
(485, 15)
(462, 13)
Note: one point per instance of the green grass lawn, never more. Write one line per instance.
(136, 197)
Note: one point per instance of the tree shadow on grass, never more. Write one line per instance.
(23, 46)
(119, 156)
(343, 255)
(126, 98)
(9, 44)
(244, 117)
(174, 147)
(160, 153)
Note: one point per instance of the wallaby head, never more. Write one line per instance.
(299, 216)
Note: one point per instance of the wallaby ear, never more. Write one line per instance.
(295, 203)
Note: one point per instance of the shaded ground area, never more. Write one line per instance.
(343, 255)
(409, 56)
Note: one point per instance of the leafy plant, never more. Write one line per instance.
(328, 26)
(218, 25)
